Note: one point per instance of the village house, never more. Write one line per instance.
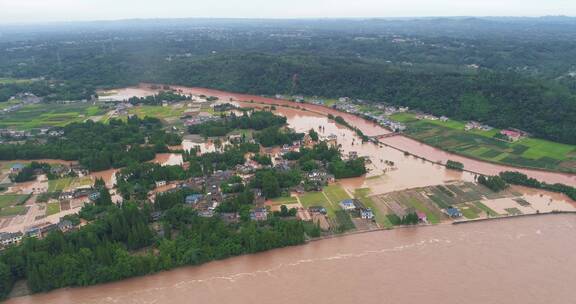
(206, 213)
(452, 212)
(230, 217)
(352, 155)
(348, 204)
(10, 238)
(512, 135)
(94, 196)
(16, 168)
(193, 199)
(422, 218)
(476, 125)
(160, 184)
(65, 225)
(33, 232)
(366, 213)
(259, 214)
(317, 209)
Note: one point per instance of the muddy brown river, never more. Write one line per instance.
(521, 260)
(371, 129)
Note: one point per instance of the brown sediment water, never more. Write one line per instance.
(168, 159)
(372, 129)
(522, 260)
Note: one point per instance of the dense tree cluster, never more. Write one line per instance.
(105, 250)
(495, 183)
(258, 120)
(451, 164)
(507, 73)
(207, 163)
(48, 90)
(137, 179)
(331, 158)
(157, 99)
(99, 146)
(275, 136)
(274, 181)
(517, 178)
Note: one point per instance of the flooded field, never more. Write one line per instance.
(523, 260)
(371, 129)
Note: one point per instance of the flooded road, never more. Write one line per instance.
(522, 260)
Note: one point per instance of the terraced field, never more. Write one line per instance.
(48, 115)
(432, 200)
(527, 152)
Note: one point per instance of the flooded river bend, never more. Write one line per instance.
(522, 260)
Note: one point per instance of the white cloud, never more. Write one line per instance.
(68, 10)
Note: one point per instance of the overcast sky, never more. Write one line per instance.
(26, 11)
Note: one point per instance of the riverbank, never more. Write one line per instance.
(369, 128)
(395, 265)
(507, 217)
(472, 165)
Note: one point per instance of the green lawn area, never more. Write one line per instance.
(527, 152)
(485, 208)
(59, 184)
(513, 211)
(470, 211)
(52, 208)
(12, 199)
(284, 200)
(14, 80)
(336, 193)
(14, 210)
(418, 205)
(344, 221)
(362, 196)
(309, 199)
(48, 115)
(157, 111)
(403, 117)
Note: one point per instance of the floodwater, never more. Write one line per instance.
(521, 260)
(371, 129)
(405, 172)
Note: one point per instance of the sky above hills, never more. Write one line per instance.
(33, 11)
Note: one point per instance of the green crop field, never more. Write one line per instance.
(48, 115)
(52, 208)
(485, 208)
(59, 184)
(14, 80)
(284, 200)
(309, 199)
(527, 152)
(157, 111)
(336, 193)
(14, 210)
(362, 196)
(12, 199)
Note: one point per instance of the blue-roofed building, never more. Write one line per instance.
(16, 168)
(366, 213)
(453, 212)
(94, 196)
(348, 204)
(194, 198)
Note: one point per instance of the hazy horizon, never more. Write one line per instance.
(42, 11)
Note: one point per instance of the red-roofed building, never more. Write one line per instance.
(512, 135)
(422, 217)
